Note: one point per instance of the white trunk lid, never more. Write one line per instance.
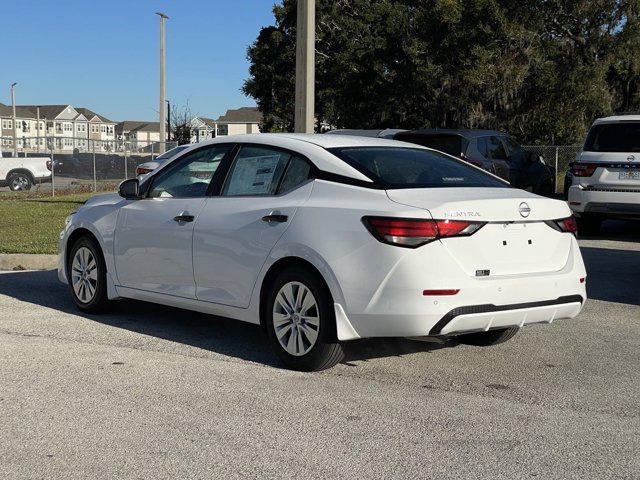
(514, 241)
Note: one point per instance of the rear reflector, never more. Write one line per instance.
(411, 232)
(582, 280)
(440, 292)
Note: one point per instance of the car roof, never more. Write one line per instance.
(379, 133)
(313, 146)
(629, 117)
(463, 132)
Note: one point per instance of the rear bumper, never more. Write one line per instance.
(399, 309)
(478, 318)
(609, 203)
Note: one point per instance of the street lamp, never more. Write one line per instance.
(163, 17)
(13, 105)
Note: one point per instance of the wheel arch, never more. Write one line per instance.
(73, 238)
(278, 267)
(23, 171)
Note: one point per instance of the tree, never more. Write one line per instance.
(180, 121)
(540, 69)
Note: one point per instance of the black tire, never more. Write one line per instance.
(327, 351)
(19, 182)
(589, 225)
(487, 339)
(99, 302)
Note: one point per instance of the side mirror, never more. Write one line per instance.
(129, 189)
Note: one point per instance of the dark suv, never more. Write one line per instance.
(494, 151)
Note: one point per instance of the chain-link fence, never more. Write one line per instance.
(82, 163)
(559, 157)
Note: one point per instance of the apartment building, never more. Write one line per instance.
(63, 126)
(233, 122)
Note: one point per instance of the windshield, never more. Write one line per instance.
(397, 167)
(614, 137)
(171, 153)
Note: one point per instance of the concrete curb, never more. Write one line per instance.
(22, 261)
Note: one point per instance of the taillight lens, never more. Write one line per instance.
(579, 169)
(568, 225)
(49, 165)
(142, 170)
(412, 233)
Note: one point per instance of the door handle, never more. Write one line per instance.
(184, 217)
(275, 217)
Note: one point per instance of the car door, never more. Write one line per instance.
(154, 235)
(238, 228)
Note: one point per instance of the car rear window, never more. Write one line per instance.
(397, 167)
(451, 144)
(614, 137)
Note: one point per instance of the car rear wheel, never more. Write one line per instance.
(487, 339)
(87, 276)
(300, 321)
(19, 182)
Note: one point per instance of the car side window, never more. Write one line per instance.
(482, 147)
(256, 171)
(190, 176)
(496, 149)
(297, 173)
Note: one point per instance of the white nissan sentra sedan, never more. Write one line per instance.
(323, 239)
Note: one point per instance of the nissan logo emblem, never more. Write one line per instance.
(524, 210)
(631, 158)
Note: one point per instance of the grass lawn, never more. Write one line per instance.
(32, 225)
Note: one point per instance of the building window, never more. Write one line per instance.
(223, 129)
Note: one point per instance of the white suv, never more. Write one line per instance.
(605, 181)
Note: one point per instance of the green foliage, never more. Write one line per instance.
(539, 69)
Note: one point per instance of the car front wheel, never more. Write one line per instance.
(300, 321)
(87, 275)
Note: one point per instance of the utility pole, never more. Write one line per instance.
(163, 17)
(305, 66)
(38, 129)
(168, 121)
(13, 105)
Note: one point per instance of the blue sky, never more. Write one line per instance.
(103, 55)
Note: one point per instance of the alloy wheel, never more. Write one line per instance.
(296, 318)
(19, 183)
(84, 275)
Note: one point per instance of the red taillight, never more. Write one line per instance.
(568, 225)
(142, 170)
(409, 232)
(49, 165)
(579, 169)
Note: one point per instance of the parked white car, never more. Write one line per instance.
(22, 173)
(605, 180)
(323, 239)
(148, 167)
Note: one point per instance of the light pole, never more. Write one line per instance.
(168, 121)
(305, 66)
(163, 17)
(13, 105)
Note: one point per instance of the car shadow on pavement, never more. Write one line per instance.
(612, 275)
(217, 334)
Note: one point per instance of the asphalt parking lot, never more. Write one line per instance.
(149, 392)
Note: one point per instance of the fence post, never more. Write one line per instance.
(124, 148)
(557, 173)
(53, 169)
(152, 151)
(95, 179)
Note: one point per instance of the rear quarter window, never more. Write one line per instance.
(394, 167)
